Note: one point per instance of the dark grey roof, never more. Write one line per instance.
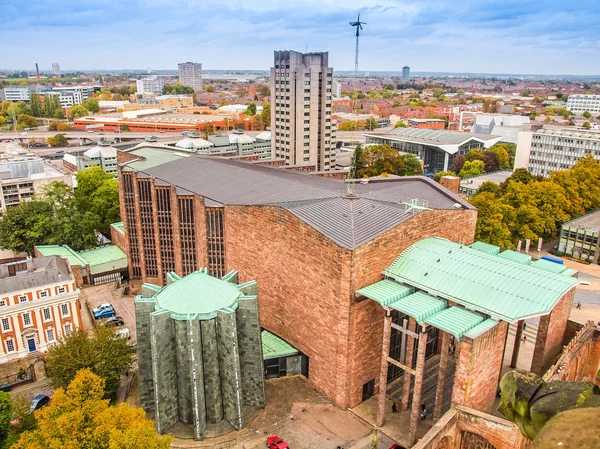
(320, 202)
(46, 270)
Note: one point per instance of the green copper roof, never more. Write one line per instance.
(119, 227)
(275, 347)
(419, 305)
(455, 320)
(64, 251)
(494, 285)
(552, 267)
(515, 256)
(486, 248)
(197, 294)
(481, 328)
(385, 292)
(104, 258)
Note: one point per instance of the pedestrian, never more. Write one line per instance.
(524, 338)
(524, 326)
(394, 409)
(423, 411)
(578, 306)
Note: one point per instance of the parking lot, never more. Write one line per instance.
(99, 294)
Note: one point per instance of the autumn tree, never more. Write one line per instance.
(102, 352)
(26, 121)
(400, 124)
(371, 124)
(495, 219)
(475, 154)
(457, 163)
(58, 141)
(79, 418)
(490, 161)
(209, 88)
(6, 409)
(440, 174)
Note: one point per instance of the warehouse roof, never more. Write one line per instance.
(323, 203)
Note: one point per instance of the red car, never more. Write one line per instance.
(397, 446)
(275, 442)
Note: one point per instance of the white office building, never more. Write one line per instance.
(303, 132)
(55, 69)
(15, 93)
(85, 92)
(190, 74)
(580, 103)
(150, 85)
(547, 150)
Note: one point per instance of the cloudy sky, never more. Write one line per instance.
(484, 36)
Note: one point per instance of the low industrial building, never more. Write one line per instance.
(22, 174)
(39, 304)
(199, 352)
(103, 155)
(579, 237)
(436, 148)
(94, 266)
(550, 149)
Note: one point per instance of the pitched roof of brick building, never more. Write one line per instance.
(320, 202)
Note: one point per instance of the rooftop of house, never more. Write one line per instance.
(323, 203)
(40, 271)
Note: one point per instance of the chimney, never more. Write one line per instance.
(452, 183)
(37, 70)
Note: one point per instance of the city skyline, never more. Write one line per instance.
(539, 37)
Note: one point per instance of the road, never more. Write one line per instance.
(85, 135)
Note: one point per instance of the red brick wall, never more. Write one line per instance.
(478, 369)
(118, 238)
(551, 332)
(307, 283)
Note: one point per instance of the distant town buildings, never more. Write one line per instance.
(55, 69)
(68, 96)
(436, 148)
(199, 351)
(550, 149)
(579, 103)
(23, 173)
(236, 143)
(405, 73)
(337, 89)
(429, 123)
(190, 74)
(150, 85)
(301, 114)
(505, 126)
(103, 155)
(15, 93)
(39, 304)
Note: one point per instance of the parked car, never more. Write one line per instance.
(90, 131)
(101, 307)
(113, 321)
(124, 332)
(105, 313)
(38, 402)
(274, 442)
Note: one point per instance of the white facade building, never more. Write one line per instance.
(337, 89)
(505, 126)
(580, 103)
(39, 304)
(547, 150)
(303, 132)
(190, 74)
(55, 69)
(150, 85)
(14, 93)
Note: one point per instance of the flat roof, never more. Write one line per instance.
(590, 221)
(425, 120)
(496, 177)
(322, 203)
(569, 132)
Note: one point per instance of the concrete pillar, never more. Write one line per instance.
(517, 344)
(40, 328)
(410, 347)
(18, 336)
(416, 401)
(439, 390)
(385, 351)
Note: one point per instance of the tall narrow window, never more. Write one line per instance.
(187, 232)
(215, 241)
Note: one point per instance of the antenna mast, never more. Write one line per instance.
(351, 183)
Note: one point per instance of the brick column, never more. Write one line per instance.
(439, 390)
(416, 402)
(19, 346)
(385, 352)
(410, 346)
(517, 345)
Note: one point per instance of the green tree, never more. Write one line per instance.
(356, 161)
(209, 88)
(251, 109)
(53, 126)
(439, 175)
(494, 220)
(6, 409)
(63, 127)
(520, 175)
(490, 187)
(98, 193)
(26, 121)
(376, 160)
(476, 154)
(102, 352)
(26, 225)
(78, 111)
(265, 115)
(348, 125)
(79, 418)
(58, 141)
(35, 103)
(502, 156)
(400, 124)
(371, 124)
(587, 114)
(472, 168)
(412, 165)
(91, 105)
(586, 125)
(21, 108)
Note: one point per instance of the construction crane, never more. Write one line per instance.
(359, 26)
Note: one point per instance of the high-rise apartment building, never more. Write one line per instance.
(337, 89)
(190, 74)
(55, 69)
(150, 85)
(303, 132)
(405, 73)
